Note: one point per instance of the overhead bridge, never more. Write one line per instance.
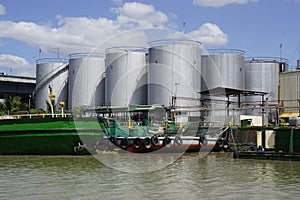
(16, 85)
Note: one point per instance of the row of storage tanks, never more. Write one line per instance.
(147, 76)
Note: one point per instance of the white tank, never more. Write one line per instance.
(86, 80)
(51, 72)
(224, 68)
(126, 76)
(174, 71)
(262, 74)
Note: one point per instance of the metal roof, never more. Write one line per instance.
(224, 91)
(289, 114)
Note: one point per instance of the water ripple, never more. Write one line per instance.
(216, 176)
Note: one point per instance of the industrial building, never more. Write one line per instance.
(218, 86)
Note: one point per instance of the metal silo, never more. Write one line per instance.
(126, 76)
(262, 74)
(174, 73)
(51, 72)
(86, 79)
(223, 69)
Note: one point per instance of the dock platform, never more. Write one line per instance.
(267, 155)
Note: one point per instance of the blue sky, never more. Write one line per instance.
(256, 26)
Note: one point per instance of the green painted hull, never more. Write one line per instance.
(49, 136)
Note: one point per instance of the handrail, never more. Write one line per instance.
(226, 51)
(51, 60)
(126, 49)
(267, 59)
(86, 55)
(174, 41)
(40, 115)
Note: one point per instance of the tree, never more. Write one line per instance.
(12, 104)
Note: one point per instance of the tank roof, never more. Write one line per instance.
(51, 60)
(86, 55)
(266, 60)
(126, 49)
(226, 51)
(173, 42)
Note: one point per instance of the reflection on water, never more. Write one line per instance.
(215, 176)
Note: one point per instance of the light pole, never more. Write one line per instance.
(280, 52)
(62, 108)
(29, 104)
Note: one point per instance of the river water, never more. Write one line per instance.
(188, 176)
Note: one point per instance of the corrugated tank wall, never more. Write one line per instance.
(263, 76)
(290, 91)
(222, 68)
(174, 70)
(86, 80)
(126, 76)
(51, 72)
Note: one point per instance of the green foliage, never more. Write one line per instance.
(12, 104)
(37, 111)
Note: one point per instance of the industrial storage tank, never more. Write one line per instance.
(126, 76)
(53, 73)
(174, 73)
(262, 74)
(86, 79)
(222, 69)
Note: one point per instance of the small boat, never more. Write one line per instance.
(145, 139)
(130, 129)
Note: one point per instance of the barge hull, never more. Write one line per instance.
(48, 136)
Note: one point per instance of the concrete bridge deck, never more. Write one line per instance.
(18, 85)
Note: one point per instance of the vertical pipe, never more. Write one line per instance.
(263, 110)
(291, 145)
(235, 153)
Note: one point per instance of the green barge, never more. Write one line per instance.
(272, 143)
(48, 136)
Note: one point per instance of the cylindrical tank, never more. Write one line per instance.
(51, 72)
(126, 76)
(262, 74)
(223, 68)
(174, 73)
(86, 79)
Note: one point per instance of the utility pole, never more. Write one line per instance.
(280, 52)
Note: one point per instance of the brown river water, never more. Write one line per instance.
(158, 176)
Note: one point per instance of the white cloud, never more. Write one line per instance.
(82, 34)
(209, 35)
(2, 10)
(140, 15)
(17, 65)
(220, 3)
